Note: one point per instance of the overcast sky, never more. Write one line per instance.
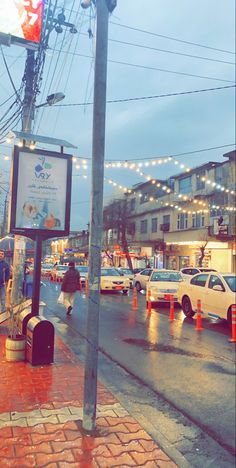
(147, 128)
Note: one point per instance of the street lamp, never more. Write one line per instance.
(52, 99)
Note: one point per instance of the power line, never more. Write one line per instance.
(151, 97)
(151, 68)
(9, 75)
(170, 51)
(172, 38)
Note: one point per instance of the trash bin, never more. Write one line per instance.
(24, 317)
(39, 341)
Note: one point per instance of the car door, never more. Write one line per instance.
(144, 277)
(216, 300)
(197, 290)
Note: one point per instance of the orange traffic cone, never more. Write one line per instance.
(172, 309)
(149, 301)
(86, 287)
(199, 317)
(135, 299)
(233, 311)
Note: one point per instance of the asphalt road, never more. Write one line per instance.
(193, 371)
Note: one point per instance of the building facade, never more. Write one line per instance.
(187, 219)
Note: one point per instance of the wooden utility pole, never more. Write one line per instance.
(96, 216)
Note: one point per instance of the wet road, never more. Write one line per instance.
(192, 370)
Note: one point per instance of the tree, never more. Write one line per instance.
(115, 217)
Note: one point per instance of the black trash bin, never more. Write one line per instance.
(24, 317)
(39, 341)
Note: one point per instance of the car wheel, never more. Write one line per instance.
(187, 307)
(125, 291)
(229, 318)
(138, 286)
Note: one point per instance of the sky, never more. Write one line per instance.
(150, 53)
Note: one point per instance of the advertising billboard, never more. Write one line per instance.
(41, 193)
(22, 19)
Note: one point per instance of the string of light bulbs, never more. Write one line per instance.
(171, 204)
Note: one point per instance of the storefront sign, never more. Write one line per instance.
(22, 19)
(41, 191)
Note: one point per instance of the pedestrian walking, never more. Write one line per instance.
(4, 277)
(70, 284)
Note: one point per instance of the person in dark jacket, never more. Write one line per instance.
(70, 284)
(4, 277)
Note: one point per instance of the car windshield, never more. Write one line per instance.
(109, 272)
(62, 267)
(82, 269)
(126, 271)
(166, 276)
(47, 266)
(231, 281)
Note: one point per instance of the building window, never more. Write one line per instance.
(166, 219)
(154, 224)
(144, 198)
(143, 226)
(132, 204)
(182, 222)
(200, 183)
(185, 185)
(198, 220)
(218, 175)
(131, 229)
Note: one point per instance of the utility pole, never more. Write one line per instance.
(27, 119)
(96, 215)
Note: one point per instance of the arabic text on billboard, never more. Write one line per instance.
(41, 192)
(22, 18)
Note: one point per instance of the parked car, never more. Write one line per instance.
(162, 284)
(58, 272)
(46, 269)
(216, 292)
(111, 280)
(83, 270)
(127, 273)
(187, 272)
(140, 280)
(137, 270)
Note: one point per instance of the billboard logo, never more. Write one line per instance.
(41, 169)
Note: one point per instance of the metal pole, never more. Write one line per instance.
(96, 217)
(27, 118)
(37, 275)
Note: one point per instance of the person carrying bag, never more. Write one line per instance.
(69, 286)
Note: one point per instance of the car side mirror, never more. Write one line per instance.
(218, 287)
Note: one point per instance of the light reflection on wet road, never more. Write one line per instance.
(193, 370)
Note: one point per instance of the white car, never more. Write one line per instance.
(128, 273)
(111, 280)
(46, 269)
(216, 292)
(58, 272)
(140, 279)
(187, 272)
(162, 284)
(83, 271)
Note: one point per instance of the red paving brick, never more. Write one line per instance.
(119, 441)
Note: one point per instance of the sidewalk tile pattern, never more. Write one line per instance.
(41, 409)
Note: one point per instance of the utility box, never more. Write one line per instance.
(39, 341)
(24, 317)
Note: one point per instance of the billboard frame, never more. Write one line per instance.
(31, 232)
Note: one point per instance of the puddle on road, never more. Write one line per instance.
(148, 346)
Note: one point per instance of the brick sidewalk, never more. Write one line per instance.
(41, 410)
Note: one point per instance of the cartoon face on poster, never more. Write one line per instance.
(41, 192)
(22, 19)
